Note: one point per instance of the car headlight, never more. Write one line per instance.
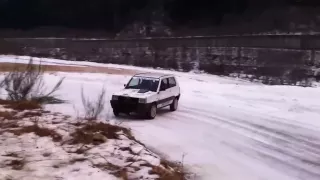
(142, 100)
(114, 97)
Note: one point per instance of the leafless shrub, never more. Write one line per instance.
(93, 108)
(28, 85)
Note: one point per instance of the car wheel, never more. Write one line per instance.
(116, 112)
(152, 113)
(174, 105)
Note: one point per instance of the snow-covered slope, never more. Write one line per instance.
(228, 129)
(41, 145)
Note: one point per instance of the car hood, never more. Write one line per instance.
(135, 93)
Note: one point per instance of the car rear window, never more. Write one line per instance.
(172, 82)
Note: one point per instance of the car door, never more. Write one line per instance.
(173, 87)
(164, 93)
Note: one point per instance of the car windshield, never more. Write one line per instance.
(149, 84)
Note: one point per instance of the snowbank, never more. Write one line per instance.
(40, 145)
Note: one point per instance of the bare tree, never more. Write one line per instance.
(28, 85)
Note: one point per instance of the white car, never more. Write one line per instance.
(145, 93)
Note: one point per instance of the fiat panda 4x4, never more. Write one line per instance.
(145, 93)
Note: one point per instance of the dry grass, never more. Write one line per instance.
(171, 170)
(46, 154)
(92, 133)
(86, 133)
(128, 149)
(123, 174)
(8, 67)
(178, 173)
(8, 115)
(117, 171)
(167, 175)
(29, 114)
(108, 166)
(17, 164)
(39, 131)
(21, 105)
(12, 154)
(4, 126)
(75, 160)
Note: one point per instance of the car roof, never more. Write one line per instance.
(153, 75)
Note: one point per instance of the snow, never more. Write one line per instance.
(228, 129)
(48, 160)
(26, 59)
(199, 76)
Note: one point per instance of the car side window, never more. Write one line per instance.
(164, 84)
(172, 82)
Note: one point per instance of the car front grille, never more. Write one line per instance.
(128, 100)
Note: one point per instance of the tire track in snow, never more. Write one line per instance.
(244, 141)
(280, 146)
(217, 140)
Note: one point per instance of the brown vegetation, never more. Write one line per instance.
(87, 132)
(7, 67)
(12, 154)
(39, 131)
(7, 115)
(17, 164)
(21, 105)
(94, 133)
(178, 173)
(117, 171)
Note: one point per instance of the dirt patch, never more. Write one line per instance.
(178, 173)
(117, 171)
(20, 105)
(11, 154)
(30, 114)
(7, 67)
(40, 131)
(7, 115)
(97, 133)
(17, 164)
(83, 137)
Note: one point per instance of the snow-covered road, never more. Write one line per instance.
(228, 129)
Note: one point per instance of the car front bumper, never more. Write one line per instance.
(128, 107)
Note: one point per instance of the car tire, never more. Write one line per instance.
(152, 112)
(174, 105)
(116, 112)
